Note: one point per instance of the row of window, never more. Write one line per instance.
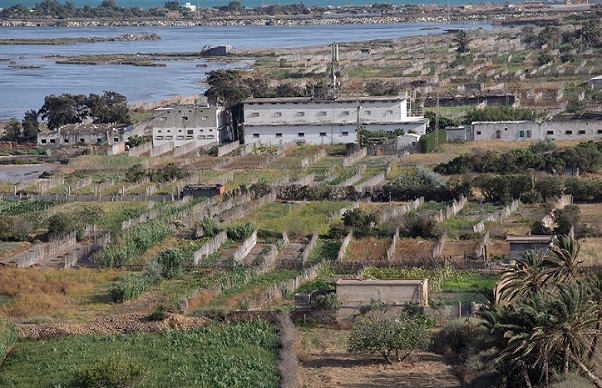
(314, 102)
(528, 133)
(188, 131)
(181, 137)
(185, 118)
(322, 113)
(300, 134)
(81, 140)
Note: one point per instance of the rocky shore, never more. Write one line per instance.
(280, 21)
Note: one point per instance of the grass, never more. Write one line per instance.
(240, 355)
(298, 218)
(52, 293)
(325, 250)
(103, 163)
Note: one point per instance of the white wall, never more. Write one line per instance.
(531, 130)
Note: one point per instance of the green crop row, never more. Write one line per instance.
(129, 286)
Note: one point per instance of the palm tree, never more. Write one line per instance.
(563, 261)
(593, 287)
(526, 278)
(463, 40)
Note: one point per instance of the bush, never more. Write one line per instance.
(456, 336)
(209, 227)
(393, 338)
(171, 261)
(241, 232)
(115, 371)
(327, 302)
(129, 286)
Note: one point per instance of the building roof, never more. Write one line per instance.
(504, 122)
(539, 239)
(381, 282)
(83, 129)
(339, 99)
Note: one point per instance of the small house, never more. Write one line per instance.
(196, 191)
(520, 244)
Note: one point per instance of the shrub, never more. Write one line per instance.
(241, 232)
(209, 226)
(327, 302)
(115, 371)
(171, 261)
(393, 338)
(129, 286)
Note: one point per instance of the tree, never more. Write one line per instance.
(135, 174)
(361, 221)
(171, 261)
(31, 126)
(12, 131)
(172, 5)
(63, 109)
(566, 219)
(59, 224)
(462, 39)
(393, 338)
(562, 263)
(111, 107)
(526, 278)
(576, 106)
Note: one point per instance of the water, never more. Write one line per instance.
(246, 3)
(24, 89)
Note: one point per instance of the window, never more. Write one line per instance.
(254, 114)
(278, 135)
(568, 132)
(322, 113)
(599, 131)
(256, 135)
(345, 113)
(52, 141)
(301, 134)
(582, 132)
(550, 132)
(159, 138)
(98, 140)
(205, 118)
(180, 130)
(528, 133)
(66, 140)
(201, 136)
(43, 141)
(498, 134)
(82, 140)
(163, 118)
(185, 118)
(189, 137)
(521, 133)
(168, 137)
(479, 132)
(169, 131)
(200, 130)
(210, 137)
(115, 139)
(278, 114)
(190, 131)
(389, 112)
(180, 137)
(300, 114)
(159, 131)
(322, 134)
(367, 112)
(210, 129)
(344, 133)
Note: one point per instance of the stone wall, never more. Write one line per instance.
(209, 247)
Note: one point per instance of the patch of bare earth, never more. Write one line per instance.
(325, 362)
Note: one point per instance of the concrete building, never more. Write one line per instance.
(325, 121)
(352, 294)
(196, 191)
(520, 244)
(528, 130)
(87, 135)
(203, 124)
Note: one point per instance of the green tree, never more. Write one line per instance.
(394, 338)
(172, 5)
(135, 174)
(563, 262)
(171, 261)
(576, 107)
(31, 126)
(63, 109)
(526, 278)
(12, 132)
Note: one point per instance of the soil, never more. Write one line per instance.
(325, 362)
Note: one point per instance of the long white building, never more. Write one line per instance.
(324, 121)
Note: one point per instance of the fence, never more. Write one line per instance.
(565, 200)
(375, 181)
(269, 260)
(353, 158)
(391, 250)
(350, 181)
(209, 247)
(401, 210)
(185, 148)
(241, 210)
(162, 149)
(451, 210)
(344, 245)
(227, 148)
(141, 149)
(314, 158)
(497, 216)
(481, 248)
(246, 247)
(42, 251)
(309, 247)
(86, 251)
(116, 149)
(438, 249)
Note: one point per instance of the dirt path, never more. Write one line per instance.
(325, 362)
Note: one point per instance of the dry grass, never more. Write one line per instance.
(413, 247)
(370, 248)
(50, 293)
(591, 251)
